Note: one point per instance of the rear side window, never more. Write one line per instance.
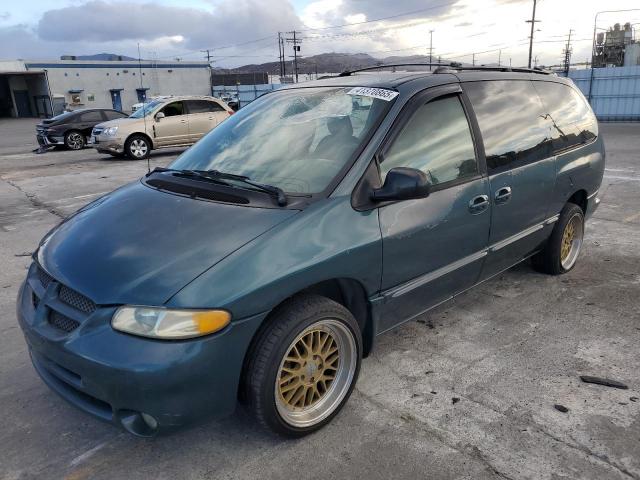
(203, 106)
(436, 140)
(173, 109)
(94, 116)
(572, 121)
(113, 115)
(512, 123)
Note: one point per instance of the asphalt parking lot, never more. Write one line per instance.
(507, 350)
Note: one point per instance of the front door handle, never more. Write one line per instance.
(479, 204)
(502, 195)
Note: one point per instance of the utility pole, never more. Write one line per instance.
(499, 56)
(296, 48)
(281, 54)
(210, 70)
(567, 55)
(430, 48)
(533, 24)
(473, 59)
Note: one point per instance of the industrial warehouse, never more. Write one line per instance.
(46, 88)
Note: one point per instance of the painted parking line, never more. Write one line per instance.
(631, 218)
(622, 177)
(80, 197)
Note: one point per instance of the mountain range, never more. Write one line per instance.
(328, 63)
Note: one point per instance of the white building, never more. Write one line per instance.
(36, 88)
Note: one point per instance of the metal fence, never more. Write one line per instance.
(245, 93)
(615, 92)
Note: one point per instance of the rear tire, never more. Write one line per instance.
(137, 147)
(74, 140)
(561, 251)
(303, 366)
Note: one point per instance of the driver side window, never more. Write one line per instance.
(436, 140)
(173, 109)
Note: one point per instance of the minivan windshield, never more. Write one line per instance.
(294, 139)
(146, 109)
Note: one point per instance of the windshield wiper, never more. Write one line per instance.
(272, 190)
(220, 177)
(188, 173)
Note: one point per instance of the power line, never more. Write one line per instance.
(434, 7)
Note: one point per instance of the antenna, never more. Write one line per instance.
(144, 112)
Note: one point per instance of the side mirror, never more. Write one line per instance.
(159, 116)
(402, 183)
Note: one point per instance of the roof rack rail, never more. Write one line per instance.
(450, 68)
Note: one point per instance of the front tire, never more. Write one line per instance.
(304, 366)
(561, 251)
(137, 147)
(74, 140)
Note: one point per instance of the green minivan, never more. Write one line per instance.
(261, 265)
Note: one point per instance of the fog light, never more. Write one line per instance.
(149, 420)
(138, 423)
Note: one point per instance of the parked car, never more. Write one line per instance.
(137, 106)
(262, 265)
(164, 122)
(72, 129)
(231, 99)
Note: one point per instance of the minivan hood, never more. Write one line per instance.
(140, 246)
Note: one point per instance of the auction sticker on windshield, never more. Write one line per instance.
(381, 93)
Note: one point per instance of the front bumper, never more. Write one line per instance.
(593, 201)
(105, 144)
(118, 377)
(48, 139)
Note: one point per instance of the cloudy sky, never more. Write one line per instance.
(245, 31)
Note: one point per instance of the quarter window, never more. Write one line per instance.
(93, 116)
(572, 121)
(203, 106)
(512, 123)
(436, 140)
(112, 114)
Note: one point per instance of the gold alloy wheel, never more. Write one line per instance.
(567, 240)
(309, 369)
(571, 241)
(315, 373)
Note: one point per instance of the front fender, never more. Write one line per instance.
(327, 240)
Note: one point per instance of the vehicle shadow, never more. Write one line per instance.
(156, 154)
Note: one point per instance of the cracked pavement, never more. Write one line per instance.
(508, 350)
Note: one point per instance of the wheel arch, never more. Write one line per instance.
(348, 292)
(579, 198)
(140, 134)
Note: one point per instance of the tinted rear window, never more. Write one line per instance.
(93, 116)
(572, 121)
(512, 123)
(112, 114)
(203, 106)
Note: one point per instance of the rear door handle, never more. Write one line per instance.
(479, 204)
(502, 195)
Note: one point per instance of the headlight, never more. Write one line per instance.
(111, 131)
(169, 324)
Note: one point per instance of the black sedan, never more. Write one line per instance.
(72, 129)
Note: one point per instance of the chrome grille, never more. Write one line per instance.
(62, 322)
(76, 300)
